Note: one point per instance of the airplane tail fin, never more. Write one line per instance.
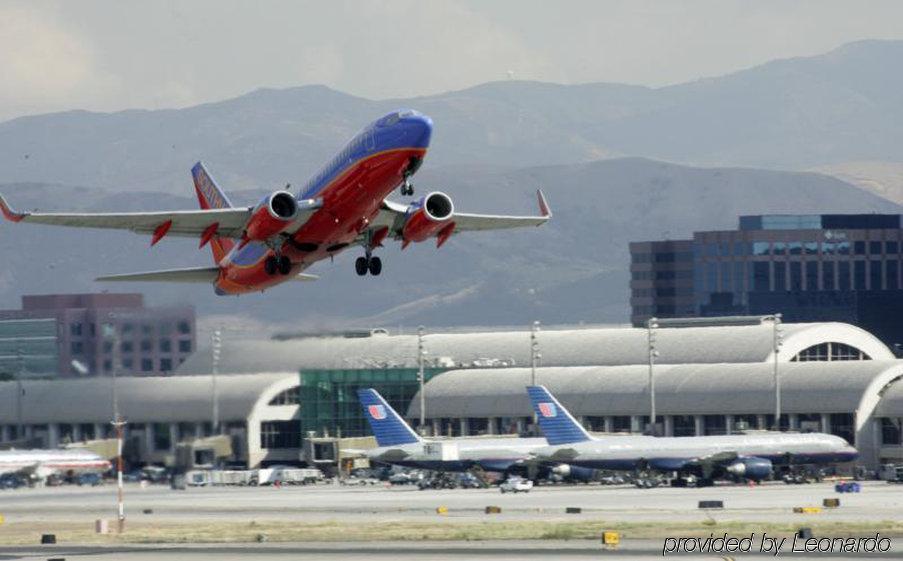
(388, 426)
(211, 196)
(556, 422)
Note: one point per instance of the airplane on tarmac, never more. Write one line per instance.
(42, 463)
(747, 456)
(343, 205)
(398, 444)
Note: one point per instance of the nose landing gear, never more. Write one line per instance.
(407, 188)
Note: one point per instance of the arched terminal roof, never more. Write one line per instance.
(687, 389)
(141, 399)
(559, 347)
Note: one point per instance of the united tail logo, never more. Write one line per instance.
(378, 412)
(547, 409)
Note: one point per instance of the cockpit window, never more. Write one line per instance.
(389, 120)
(393, 118)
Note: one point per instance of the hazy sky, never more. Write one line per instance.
(116, 54)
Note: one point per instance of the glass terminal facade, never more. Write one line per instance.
(329, 403)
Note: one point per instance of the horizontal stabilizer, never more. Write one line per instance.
(195, 274)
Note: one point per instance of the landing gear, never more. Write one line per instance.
(407, 188)
(285, 265)
(280, 264)
(375, 266)
(271, 265)
(363, 265)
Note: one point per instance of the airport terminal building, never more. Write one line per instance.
(277, 396)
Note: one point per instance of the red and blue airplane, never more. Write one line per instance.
(343, 205)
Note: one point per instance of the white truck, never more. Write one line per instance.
(516, 485)
(287, 476)
(263, 476)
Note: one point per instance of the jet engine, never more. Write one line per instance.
(271, 216)
(575, 473)
(750, 468)
(429, 216)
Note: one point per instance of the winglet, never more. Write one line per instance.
(543, 204)
(556, 422)
(388, 426)
(9, 213)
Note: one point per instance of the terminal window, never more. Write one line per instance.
(280, 434)
(287, 397)
(890, 431)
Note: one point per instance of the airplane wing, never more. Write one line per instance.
(393, 215)
(184, 223)
(392, 455)
(706, 464)
(564, 455)
(193, 274)
(465, 222)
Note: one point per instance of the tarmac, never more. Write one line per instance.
(878, 502)
(770, 502)
(644, 550)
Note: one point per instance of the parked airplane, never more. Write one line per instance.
(748, 456)
(398, 444)
(42, 463)
(343, 205)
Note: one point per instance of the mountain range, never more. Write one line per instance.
(598, 150)
(572, 270)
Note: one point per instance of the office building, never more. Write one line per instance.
(810, 268)
(92, 331)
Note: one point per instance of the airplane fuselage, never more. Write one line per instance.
(352, 187)
(63, 461)
(672, 453)
(490, 454)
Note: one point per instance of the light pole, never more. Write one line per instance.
(20, 423)
(118, 422)
(534, 357)
(421, 355)
(777, 341)
(216, 345)
(651, 326)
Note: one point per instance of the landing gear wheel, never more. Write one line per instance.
(375, 266)
(407, 189)
(360, 266)
(285, 265)
(270, 265)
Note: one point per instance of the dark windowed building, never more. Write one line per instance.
(829, 267)
(151, 341)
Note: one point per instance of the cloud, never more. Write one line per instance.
(43, 63)
(410, 47)
(111, 55)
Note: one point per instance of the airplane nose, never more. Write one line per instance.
(418, 129)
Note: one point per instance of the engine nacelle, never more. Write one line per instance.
(427, 217)
(753, 468)
(574, 472)
(271, 216)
